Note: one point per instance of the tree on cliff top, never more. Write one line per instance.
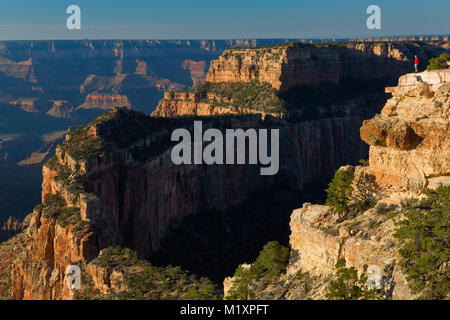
(425, 235)
(339, 192)
(440, 62)
(271, 263)
(348, 286)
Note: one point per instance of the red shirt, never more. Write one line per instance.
(416, 61)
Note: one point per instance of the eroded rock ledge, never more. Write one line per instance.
(410, 139)
(409, 150)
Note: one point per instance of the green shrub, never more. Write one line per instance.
(348, 286)
(439, 62)
(143, 281)
(254, 95)
(272, 260)
(384, 209)
(425, 238)
(363, 199)
(271, 263)
(339, 192)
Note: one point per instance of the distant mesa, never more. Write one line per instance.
(105, 101)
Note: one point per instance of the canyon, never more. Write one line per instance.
(303, 74)
(409, 151)
(47, 87)
(112, 182)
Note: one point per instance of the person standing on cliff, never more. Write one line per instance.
(416, 63)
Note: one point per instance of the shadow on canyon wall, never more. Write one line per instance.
(213, 244)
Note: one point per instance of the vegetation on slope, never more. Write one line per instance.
(270, 264)
(253, 95)
(349, 286)
(143, 281)
(339, 192)
(124, 129)
(55, 207)
(347, 196)
(440, 62)
(425, 236)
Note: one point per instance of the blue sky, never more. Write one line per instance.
(227, 19)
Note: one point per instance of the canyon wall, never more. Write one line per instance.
(410, 139)
(288, 66)
(139, 69)
(43, 84)
(409, 151)
(133, 194)
(105, 101)
(113, 182)
(301, 74)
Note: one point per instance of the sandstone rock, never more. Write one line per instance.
(285, 67)
(388, 132)
(410, 140)
(62, 109)
(105, 101)
(12, 225)
(317, 243)
(134, 194)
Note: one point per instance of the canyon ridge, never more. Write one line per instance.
(115, 205)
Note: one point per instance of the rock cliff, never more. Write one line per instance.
(141, 70)
(115, 186)
(105, 101)
(300, 75)
(410, 140)
(408, 151)
(113, 182)
(288, 66)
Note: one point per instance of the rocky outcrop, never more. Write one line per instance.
(20, 70)
(183, 103)
(289, 66)
(141, 70)
(40, 271)
(409, 150)
(298, 74)
(12, 225)
(31, 105)
(9, 250)
(197, 70)
(129, 192)
(62, 109)
(317, 242)
(410, 140)
(105, 101)
(192, 103)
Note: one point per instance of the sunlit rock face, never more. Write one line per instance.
(410, 141)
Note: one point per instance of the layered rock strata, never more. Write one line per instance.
(113, 186)
(409, 150)
(410, 140)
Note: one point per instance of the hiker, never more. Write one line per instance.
(416, 63)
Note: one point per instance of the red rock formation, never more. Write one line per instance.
(197, 70)
(287, 66)
(21, 70)
(31, 105)
(105, 101)
(12, 225)
(62, 109)
(134, 196)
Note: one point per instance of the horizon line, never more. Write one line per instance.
(243, 38)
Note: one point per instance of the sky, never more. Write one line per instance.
(224, 19)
